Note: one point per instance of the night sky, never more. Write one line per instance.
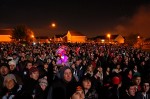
(90, 17)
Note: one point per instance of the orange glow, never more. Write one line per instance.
(53, 25)
(5, 38)
(108, 35)
(32, 36)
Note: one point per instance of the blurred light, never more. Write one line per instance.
(32, 36)
(108, 35)
(62, 57)
(138, 37)
(102, 40)
(34, 43)
(23, 45)
(53, 25)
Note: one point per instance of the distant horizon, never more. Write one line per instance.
(102, 34)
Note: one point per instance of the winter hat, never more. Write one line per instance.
(12, 62)
(116, 80)
(43, 81)
(9, 58)
(33, 69)
(9, 76)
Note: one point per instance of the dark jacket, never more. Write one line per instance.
(91, 94)
(61, 89)
(139, 95)
(39, 93)
(126, 96)
(29, 86)
(14, 93)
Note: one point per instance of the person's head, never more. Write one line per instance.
(90, 68)
(128, 72)
(79, 94)
(45, 65)
(137, 80)
(4, 70)
(12, 65)
(29, 65)
(9, 81)
(86, 82)
(131, 90)
(100, 69)
(34, 73)
(108, 69)
(135, 67)
(23, 59)
(118, 66)
(145, 86)
(66, 74)
(14, 56)
(73, 66)
(43, 83)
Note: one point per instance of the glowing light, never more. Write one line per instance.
(62, 57)
(61, 52)
(32, 36)
(108, 35)
(53, 25)
(102, 40)
(34, 43)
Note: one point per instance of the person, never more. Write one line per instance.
(116, 87)
(89, 91)
(143, 94)
(41, 89)
(137, 82)
(31, 82)
(11, 89)
(79, 94)
(4, 70)
(64, 87)
(130, 92)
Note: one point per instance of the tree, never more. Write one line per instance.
(21, 33)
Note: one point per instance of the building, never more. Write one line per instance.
(75, 37)
(112, 39)
(59, 38)
(42, 39)
(5, 35)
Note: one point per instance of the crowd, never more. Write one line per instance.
(91, 71)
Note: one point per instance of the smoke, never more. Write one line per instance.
(139, 23)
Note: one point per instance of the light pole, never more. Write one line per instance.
(32, 36)
(108, 35)
(53, 26)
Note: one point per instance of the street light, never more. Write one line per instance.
(138, 37)
(53, 25)
(32, 36)
(108, 35)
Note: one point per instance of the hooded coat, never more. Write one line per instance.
(62, 89)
